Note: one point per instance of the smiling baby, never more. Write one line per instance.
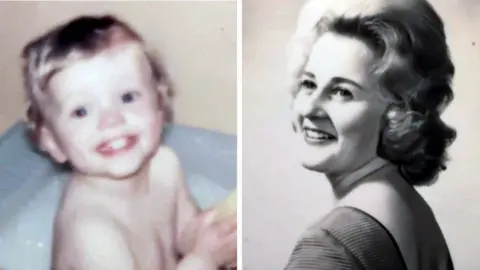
(98, 101)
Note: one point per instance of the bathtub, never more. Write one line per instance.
(30, 188)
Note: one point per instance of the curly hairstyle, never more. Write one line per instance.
(414, 72)
(80, 38)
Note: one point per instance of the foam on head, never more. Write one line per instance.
(80, 38)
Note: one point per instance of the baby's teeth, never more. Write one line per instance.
(117, 144)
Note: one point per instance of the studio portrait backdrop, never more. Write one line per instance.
(281, 199)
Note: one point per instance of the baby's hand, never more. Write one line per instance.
(217, 241)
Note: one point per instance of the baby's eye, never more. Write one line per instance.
(341, 94)
(129, 97)
(79, 112)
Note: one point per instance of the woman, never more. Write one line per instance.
(370, 81)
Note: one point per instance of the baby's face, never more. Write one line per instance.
(102, 113)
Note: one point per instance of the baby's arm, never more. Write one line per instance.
(194, 262)
(216, 245)
(189, 221)
(186, 210)
(94, 243)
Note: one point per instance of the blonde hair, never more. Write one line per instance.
(413, 69)
(317, 17)
(79, 38)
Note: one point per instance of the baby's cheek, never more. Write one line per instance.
(78, 131)
(143, 116)
(147, 120)
(84, 130)
(156, 122)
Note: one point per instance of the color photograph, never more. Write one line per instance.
(114, 150)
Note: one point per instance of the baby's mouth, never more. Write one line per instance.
(116, 145)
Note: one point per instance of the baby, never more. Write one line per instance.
(98, 101)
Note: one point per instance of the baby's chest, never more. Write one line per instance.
(150, 232)
(153, 218)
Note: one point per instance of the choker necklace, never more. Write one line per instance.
(367, 169)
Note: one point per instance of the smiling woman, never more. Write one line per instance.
(334, 102)
(369, 83)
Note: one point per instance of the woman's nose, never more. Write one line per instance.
(111, 118)
(314, 105)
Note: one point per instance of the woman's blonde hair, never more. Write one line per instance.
(413, 68)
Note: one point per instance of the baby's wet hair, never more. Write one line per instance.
(79, 38)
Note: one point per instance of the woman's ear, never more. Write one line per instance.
(49, 144)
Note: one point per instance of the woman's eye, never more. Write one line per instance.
(340, 93)
(129, 97)
(79, 112)
(308, 84)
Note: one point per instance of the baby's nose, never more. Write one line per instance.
(111, 119)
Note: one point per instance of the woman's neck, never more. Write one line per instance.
(343, 183)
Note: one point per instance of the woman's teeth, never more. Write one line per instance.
(318, 135)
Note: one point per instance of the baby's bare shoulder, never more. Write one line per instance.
(74, 216)
(166, 157)
(80, 203)
(165, 166)
(77, 197)
(92, 238)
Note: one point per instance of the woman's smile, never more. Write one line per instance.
(318, 131)
(336, 111)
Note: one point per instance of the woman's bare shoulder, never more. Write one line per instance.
(381, 200)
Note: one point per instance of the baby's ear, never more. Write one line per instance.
(165, 96)
(49, 144)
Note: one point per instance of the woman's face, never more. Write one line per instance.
(337, 110)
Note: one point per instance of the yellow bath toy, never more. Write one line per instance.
(227, 207)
